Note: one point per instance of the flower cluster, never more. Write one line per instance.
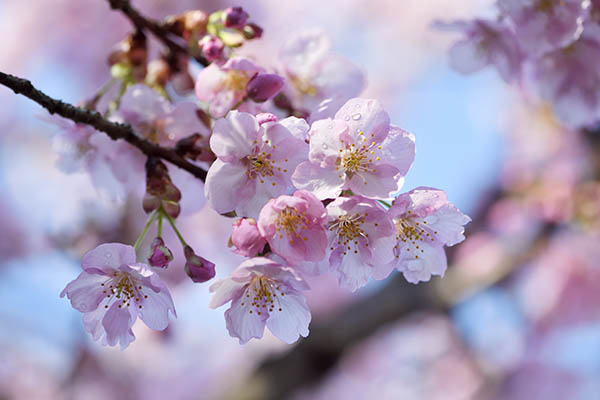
(307, 168)
(549, 46)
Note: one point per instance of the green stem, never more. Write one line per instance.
(385, 203)
(172, 222)
(151, 219)
(159, 226)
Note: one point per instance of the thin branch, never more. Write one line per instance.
(144, 23)
(92, 118)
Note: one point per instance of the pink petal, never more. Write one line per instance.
(233, 136)
(85, 292)
(380, 184)
(367, 116)
(398, 149)
(117, 323)
(290, 318)
(243, 321)
(325, 183)
(226, 185)
(108, 256)
(325, 142)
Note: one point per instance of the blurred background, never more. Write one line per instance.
(516, 317)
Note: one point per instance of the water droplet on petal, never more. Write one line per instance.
(324, 146)
(330, 126)
(356, 116)
(347, 118)
(357, 105)
(108, 255)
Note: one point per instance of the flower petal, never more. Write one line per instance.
(85, 292)
(108, 256)
(242, 321)
(325, 183)
(226, 185)
(290, 317)
(117, 323)
(233, 136)
(367, 116)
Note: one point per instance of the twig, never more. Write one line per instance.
(144, 23)
(92, 118)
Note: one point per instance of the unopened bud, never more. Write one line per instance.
(197, 268)
(235, 17)
(262, 87)
(160, 255)
(252, 31)
(196, 21)
(212, 47)
(246, 238)
(150, 203)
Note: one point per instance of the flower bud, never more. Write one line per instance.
(196, 21)
(173, 209)
(246, 238)
(263, 118)
(158, 72)
(253, 31)
(150, 203)
(197, 268)
(262, 87)
(160, 255)
(235, 17)
(212, 47)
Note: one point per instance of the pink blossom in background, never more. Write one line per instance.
(158, 120)
(358, 150)
(263, 293)
(294, 226)
(315, 73)
(255, 162)
(113, 290)
(485, 43)
(224, 86)
(360, 240)
(246, 237)
(569, 80)
(425, 222)
(545, 25)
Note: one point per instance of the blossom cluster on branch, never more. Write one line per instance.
(310, 171)
(549, 47)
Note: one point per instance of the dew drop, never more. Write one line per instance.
(356, 116)
(347, 118)
(324, 146)
(330, 126)
(357, 105)
(108, 255)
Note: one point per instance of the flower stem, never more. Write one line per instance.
(159, 225)
(151, 219)
(172, 222)
(385, 203)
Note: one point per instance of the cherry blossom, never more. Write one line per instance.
(425, 222)
(294, 226)
(223, 86)
(263, 293)
(113, 290)
(360, 240)
(315, 73)
(358, 150)
(486, 43)
(255, 162)
(545, 25)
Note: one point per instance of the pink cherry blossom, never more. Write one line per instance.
(545, 25)
(255, 162)
(569, 79)
(155, 118)
(315, 73)
(246, 237)
(113, 290)
(357, 150)
(360, 240)
(486, 43)
(425, 222)
(223, 86)
(294, 226)
(263, 293)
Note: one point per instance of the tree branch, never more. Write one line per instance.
(94, 119)
(144, 23)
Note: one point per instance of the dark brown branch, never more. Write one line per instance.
(95, 119)
(144, 23)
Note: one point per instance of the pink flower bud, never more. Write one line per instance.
(197, 268)
(246, 238)
(266, 117)
(235, 17)
(262, 87)
(160, 255)
(212, 47)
